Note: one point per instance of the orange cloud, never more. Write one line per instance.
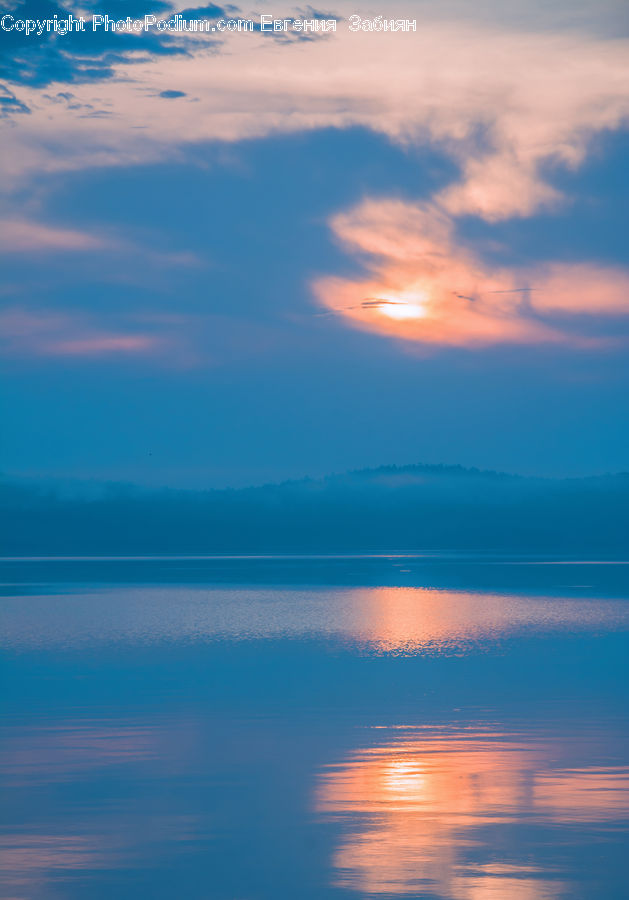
(582, 289)
(422, 287)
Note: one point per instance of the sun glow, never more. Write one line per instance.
(403, 306)
(402, 311)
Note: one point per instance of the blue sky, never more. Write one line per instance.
(184, 275)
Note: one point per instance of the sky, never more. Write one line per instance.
(234, 258)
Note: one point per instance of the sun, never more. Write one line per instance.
(403, 311)
(403, 306)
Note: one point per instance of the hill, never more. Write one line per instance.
(415, 507)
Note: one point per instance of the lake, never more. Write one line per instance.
(439, 726)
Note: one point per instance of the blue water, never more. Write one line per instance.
(439, 727)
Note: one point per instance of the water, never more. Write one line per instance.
(415, 726)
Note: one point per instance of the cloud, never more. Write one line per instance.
(499, 187)
(422, 287)
(10, 104)
(19, 235)
(27, 333)
(211, 11)
(49, 58)
(582, 289)
(137, 255)
(96, 345)
(508, 102)
(502, 102)
(120, 9)
(175, 341)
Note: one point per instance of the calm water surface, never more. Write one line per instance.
(408, 727)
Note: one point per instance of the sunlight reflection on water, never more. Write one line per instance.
(432, 812)
(381, 619)
(301, 738)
